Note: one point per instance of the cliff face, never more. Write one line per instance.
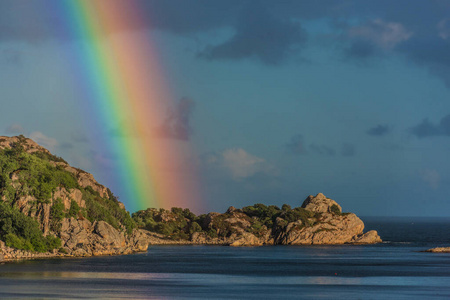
(57, 202)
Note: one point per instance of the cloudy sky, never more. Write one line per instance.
(279, 99)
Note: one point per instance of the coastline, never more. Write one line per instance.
(13, 255)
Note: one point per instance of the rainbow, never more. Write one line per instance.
(123, 85)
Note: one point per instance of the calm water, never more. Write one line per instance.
(392, 270)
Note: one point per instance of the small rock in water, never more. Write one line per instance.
(439, 250)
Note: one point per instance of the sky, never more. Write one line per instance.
(278, 99)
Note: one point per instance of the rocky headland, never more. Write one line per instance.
(51, 209)
(319, 221)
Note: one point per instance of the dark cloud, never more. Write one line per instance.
(379, 130)
(266, 30)
(297, 145)
(348, 150)
(259, 35)
(431, 52)
(322, 150)
(428, 129)
(360, 50)
(176, 124)
(375, 37)
(186, 17)
(35, 21)
(421, 33)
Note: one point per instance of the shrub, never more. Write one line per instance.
(56, 215)
(73, 210)
(286, 207)
(335, 209)
(265, 214)
(48, 156)
(194, 227)
(296, 214)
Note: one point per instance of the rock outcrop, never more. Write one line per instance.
(439, 250)
(83, 238)
(330, 226)
(319, 221)
(320, 204)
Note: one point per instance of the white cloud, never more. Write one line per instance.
(43, 140)
(432, 177)
(240, 164)
(385, 35)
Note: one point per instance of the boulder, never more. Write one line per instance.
(109, 234)
(247, 239)
(140, 240)
(370, 237)
(319, 204)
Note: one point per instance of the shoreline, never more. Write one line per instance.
(22, 255)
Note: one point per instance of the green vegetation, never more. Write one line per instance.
(37, 176)
(56, 215)
(335, 209)
(298, 213)
(22, 232)
(265, 214)
(257, 219)
(176, 223)
(49, 157)
(73, 210)
(106, 209)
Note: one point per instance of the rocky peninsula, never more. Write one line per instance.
(51, 209)
(319, 221)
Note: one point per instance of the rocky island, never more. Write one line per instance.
(439, 250)
(49, 209)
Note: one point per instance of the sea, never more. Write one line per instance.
(394, 269)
